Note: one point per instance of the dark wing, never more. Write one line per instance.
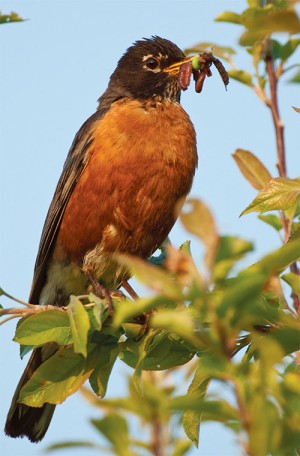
(73, 168)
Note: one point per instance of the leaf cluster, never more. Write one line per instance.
(263, 22)
(209, 316)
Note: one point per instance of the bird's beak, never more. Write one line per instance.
(175, 67)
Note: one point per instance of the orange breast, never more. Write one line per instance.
(140, 163)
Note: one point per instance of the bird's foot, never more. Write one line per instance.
(145, 327)
(100, 291)
(143, 320)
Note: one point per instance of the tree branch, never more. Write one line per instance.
(272, 104)
(18, 312)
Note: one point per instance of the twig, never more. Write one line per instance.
(19, 301)
(8, 318)
(21, 312)
(272, 103)
(156, 431)
(278, 124)
(244, 415)
(159, 432)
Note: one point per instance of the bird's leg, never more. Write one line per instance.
(145, 326)
(127, 287)
(143, 319)
(100, 291)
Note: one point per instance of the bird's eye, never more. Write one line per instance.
(151, 63)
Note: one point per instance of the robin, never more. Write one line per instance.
(129, 165)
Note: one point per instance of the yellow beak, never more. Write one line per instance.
(175, 67)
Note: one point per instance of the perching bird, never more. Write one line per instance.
(129, 165)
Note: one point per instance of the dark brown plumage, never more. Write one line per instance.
(129, 165)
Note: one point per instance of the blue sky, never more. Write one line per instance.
(54, 67)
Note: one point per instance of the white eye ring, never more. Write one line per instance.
(151, 63)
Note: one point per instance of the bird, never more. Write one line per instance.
(129, 166)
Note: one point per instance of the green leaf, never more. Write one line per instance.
(126, 310)
(252, 168)
(142, 351)
(24, 350)
(264, 432)
(261, 23)
(80, 325)
(240, 303)
(295, 79)
(295, 231)
(242, 292)
(293, 280)
(230, 250)
(242, 76)
(73, 444)
(43, 327)
(283, 51)
(271, 219)
(132, 330)
(280, 259)
(178, 321)
(229, 16)
(107, 354)
(58, 377)
(282, 4)
(287, 340)
(153, 276)
(279, 194)
(182, 446)
(289, 48)
(276, 49)
(186, 248)
(8, 18)
(292, 377)
(253, 3)
(114, 427)
(198, 220)
(215, 366)
(191, 419)
(164, 351)
(122, 403)
(233, 247)
(269, 350)
(213, 410)
(223, 52)
(97, 313)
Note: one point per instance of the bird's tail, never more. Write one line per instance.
(23, 420)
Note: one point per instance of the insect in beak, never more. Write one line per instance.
(198, 65)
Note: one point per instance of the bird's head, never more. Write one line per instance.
(149, 69)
